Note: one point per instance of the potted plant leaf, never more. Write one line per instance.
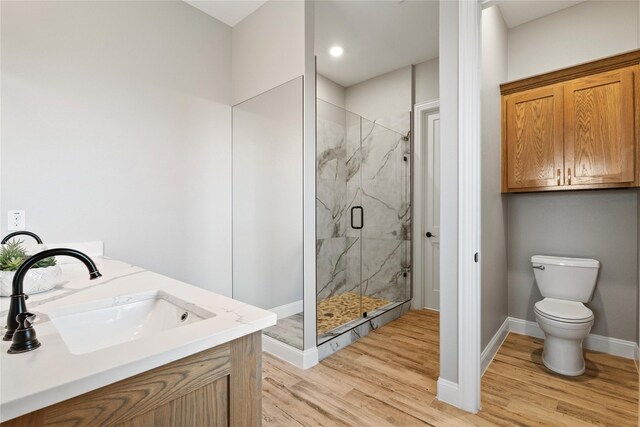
(45, 275)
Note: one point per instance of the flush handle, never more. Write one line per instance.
(539, 267)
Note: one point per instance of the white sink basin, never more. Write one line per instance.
(99, 324)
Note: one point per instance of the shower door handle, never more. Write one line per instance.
(361, 218)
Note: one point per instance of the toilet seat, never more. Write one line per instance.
(563, 311)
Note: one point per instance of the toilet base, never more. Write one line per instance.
(563, 356)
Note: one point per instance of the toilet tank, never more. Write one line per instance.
(572, 279)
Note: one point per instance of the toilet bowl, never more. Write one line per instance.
(564, 327)
(566, 284)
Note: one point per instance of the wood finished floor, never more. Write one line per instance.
(389, 378)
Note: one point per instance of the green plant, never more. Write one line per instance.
(13, 254)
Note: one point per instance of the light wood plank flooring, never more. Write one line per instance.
(389, 378)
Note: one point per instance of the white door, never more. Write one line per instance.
(431, 233)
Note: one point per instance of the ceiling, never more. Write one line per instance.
(377, 37)
(517, 12)
(228, 11)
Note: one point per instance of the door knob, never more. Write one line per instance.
(429, 234)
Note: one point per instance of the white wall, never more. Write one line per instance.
(116, 126)
(268, 48)
(330, 91)
(382, 97)
(426, 80)
(449, 191)
(602, 224)
(494, 309)
(582, 33)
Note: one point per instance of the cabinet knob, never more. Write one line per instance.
(569, 175)
(558, 176)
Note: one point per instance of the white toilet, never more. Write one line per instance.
(566, 284)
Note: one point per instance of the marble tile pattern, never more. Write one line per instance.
(363, 163)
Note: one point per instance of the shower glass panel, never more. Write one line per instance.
(339, 273)
(267, 207)
(385, 241)
(363, 205)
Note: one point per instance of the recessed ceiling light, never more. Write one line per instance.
(336, 51)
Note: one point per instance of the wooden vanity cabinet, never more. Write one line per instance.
(216, 387)
(573, 129)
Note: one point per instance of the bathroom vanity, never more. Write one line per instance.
(134, 348)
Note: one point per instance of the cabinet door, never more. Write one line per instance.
(599, 129)
(534, 138)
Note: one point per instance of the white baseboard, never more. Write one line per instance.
(525, 327)
(448, 392)
(637, 358)
(494, 345)
(287, 310)
(302, 359)
(614, 346)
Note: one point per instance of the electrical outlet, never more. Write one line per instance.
(16, 220)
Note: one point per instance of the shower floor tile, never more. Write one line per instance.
(340, 309)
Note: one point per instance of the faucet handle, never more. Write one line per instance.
(24, 338)
(25, 320)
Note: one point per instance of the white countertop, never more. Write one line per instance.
(36, 379)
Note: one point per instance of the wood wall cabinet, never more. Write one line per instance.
(573, 129)
(216, 387)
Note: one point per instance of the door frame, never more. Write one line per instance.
(419, 298)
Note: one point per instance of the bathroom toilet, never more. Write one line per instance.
(566, 284)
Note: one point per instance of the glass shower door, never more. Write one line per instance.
(363, 219)
(385, 240)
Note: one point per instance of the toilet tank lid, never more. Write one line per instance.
(565, 261)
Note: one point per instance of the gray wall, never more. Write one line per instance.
(582, 33)
(599, 224)
(591, 224)
(330, 91)
(493, 261)
(268, 48)
(426, 80)
(383, 99)
(116, 126)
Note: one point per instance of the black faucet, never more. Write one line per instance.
(19, 320)
(21, 233)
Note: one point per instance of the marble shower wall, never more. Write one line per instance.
(331, 217)
(361, 163)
